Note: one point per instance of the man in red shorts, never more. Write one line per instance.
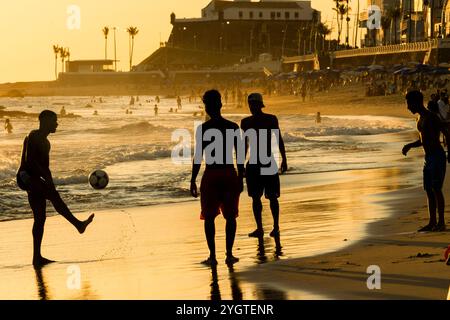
(221, 185)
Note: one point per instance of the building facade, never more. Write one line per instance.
(242, 30)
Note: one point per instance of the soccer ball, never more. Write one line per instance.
(98, 179)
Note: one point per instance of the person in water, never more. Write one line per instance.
(430, 128)
(8, 126)
(34, 177)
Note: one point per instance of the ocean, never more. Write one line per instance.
(135, 149)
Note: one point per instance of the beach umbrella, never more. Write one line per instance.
(404, 71)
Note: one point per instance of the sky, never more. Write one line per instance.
(29, 29)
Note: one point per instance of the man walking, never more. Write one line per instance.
(220, 186)
(258, 176)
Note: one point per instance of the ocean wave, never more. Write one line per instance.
(155, 154)
(349, 131)
(294, 137)
(142, 127)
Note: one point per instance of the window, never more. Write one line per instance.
(272, 15)
(287, 15)
(278, 14)
(250, 15)
(241, 14)
(296, 15)
(260, 14)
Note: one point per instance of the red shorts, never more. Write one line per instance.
(219, 193)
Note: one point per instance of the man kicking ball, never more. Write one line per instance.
(35, 177)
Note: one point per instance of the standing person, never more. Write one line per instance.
(259, 183)
(303, 91)
(8, 126)
(318, 118)
(156, 110)
(179, 103)
(221, 185)
(429, 127)
(35, 177)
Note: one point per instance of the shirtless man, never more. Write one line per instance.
(221, 185)
(35, 177)
(259, 184)
(430, 128)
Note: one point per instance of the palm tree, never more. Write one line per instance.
(63, 53)
(105, 33)
(341, 10)
(323, 31)
(132, 31)
(56, 52)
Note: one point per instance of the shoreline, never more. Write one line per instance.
(124, 242)
(412, 264)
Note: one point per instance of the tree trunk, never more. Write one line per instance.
(106, 48)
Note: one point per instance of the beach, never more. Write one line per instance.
(412, 264)
(350, 200)
(332, 230)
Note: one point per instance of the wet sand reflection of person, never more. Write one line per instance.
(261, 254)
(41, 285)
(236, 291)
(215, 290)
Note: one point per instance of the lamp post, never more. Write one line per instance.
(115, 49)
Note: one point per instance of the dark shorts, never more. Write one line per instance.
(219, 193)
(258, 184)
(35, 186)
(434, 171)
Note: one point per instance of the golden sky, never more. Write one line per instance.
(29, 28)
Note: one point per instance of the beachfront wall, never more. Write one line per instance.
(431, 52)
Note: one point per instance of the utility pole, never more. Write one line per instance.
(409, 21)
(357, 25)
(115, 50)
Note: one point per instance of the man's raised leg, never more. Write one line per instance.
(63, 210)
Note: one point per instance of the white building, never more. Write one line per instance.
(261, 10)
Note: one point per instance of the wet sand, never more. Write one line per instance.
(154, 252)
(412, 264)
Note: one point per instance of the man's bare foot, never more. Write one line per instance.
(84, 224)
(230, 260)
(41, 261)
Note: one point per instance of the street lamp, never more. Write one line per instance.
(115, 49)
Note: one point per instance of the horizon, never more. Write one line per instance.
(22, 60)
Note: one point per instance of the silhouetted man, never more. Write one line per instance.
(35, 177)
(259, 182)
(221, 185)
(429, 127)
